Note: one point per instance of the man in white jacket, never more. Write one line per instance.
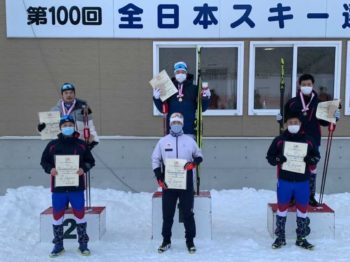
(177, 145)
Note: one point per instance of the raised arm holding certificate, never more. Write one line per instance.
(67, 167)
(175, 174)
(164, 83)
(295, 153)
(325, 110)
(51, 120)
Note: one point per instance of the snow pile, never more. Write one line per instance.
(239, 229)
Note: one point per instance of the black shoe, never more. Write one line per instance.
(313, 202)
(279, 242)
(164, 246)
(190, 246)
(302, 242)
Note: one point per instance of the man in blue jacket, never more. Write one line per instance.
(68, 143)
(185, 101)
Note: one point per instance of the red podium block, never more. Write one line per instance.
(95, 218)
(202, 216)
(322, 221)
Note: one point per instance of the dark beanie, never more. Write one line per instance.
(66, 118)
(67, 86)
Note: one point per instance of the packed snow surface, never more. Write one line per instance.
(239, 229)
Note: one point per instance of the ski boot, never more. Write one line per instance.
(58, 248)
(303, 230)
(303, 243)
(280, 232)
(312, 201)
(164, 246)
(83, 239)
(190, 246)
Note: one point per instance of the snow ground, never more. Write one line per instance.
(239, 230)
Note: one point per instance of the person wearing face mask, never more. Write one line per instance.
(77, 108)
(291, 184)
(68, 143)
(305, 103)
(177, 145)
(185, 101)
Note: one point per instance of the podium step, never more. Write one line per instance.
(322, 221)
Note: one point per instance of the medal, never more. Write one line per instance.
(305, 113)
(180, 95)
(305, 107)
(180, 99)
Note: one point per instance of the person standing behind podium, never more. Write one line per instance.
(177, 145)
(68, 143)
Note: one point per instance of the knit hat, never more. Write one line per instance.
(67, 86)
(290, 115)
(66, 118)
(180, 66)
(176, 117)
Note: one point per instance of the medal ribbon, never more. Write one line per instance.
(180, 95)
(67, 112)
(305, 107)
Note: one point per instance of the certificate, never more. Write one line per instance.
(175, 174)
(295, 153)
(52, 122)
(325, 110)
(164, 83)
(67, 167)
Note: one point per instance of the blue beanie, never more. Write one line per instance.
(180, 66)
(66, 118)
(67, 86)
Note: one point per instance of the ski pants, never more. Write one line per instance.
(288, 189)
(186, 201)
(60, 201)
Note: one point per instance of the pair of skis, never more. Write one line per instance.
(87, 140)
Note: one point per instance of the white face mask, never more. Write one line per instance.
(306, 90)
(293, 129)
(180, 77)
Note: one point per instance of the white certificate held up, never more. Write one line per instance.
(175, 174)
(295, 153)
(325, 110)
(52, 122)
(67, 167)
(164, 83)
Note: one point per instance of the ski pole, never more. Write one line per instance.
(282, 89)
(199, 123)
(331, 129)
(87, 139)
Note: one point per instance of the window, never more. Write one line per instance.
(347, 92)
(321, 59)
(221, 67)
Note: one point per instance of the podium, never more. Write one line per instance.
(95, 218)
(202, 215)
(322, 221)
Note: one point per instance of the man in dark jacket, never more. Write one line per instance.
(79, 110)
(305, 103)
(68, 143)
(185, 101)
(293, 183)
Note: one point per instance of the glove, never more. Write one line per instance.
(281, 159)
(156, 93)
(311, 160)
(337, 114)
(93, 144)
(189, 166)
(41, 127)
(162, 184)
(206, 92)
(279, 117)
(89, 111)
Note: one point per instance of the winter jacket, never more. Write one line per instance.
(276, 150)
(180, 147)
(187, 107)
(310, 124)
(79, 118)
(67, 146)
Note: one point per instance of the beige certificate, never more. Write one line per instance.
(325, 110)
(67, 167)
(51, 120)
(295, 153)
(164, 83)
(175, 174)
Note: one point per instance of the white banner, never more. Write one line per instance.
(178, 19)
